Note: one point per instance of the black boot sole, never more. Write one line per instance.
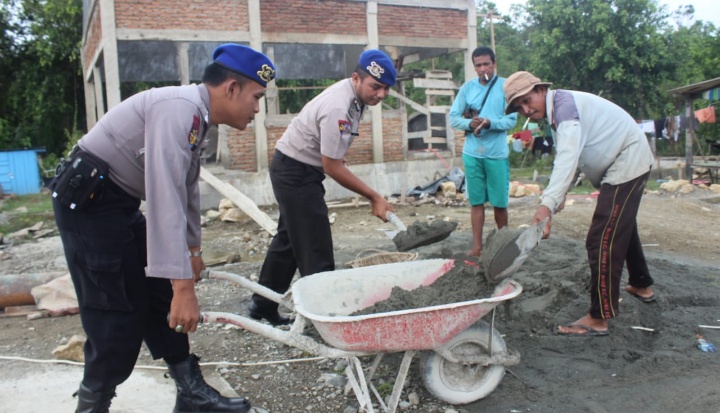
(275, 320)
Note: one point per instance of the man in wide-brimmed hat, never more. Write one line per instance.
(603, 141)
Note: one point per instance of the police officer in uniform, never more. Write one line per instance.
(313, 145)
(131, 270)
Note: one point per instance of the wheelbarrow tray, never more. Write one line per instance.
(327, 299)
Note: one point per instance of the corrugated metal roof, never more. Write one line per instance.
(695, 90)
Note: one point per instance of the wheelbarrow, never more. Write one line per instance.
(462, 360)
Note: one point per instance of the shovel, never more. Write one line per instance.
(418, 234)
(506, 250)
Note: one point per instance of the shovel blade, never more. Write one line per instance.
(508, 258)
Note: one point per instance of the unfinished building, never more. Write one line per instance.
(170, 42)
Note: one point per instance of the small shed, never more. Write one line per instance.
(708, 89)
(19, 171)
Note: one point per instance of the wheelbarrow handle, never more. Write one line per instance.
(395, 221)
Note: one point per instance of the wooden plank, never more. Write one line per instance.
(435, 140)
(241, 200)
(434, 83)
(438, 74)
(439, 92)
(419, 134)
(413, 104)
(439, 109)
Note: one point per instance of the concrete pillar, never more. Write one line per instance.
(689, 138)
(91, 116)
(375, 111)
(98, 92)
(261, 144)
(471, 40)
(110, 53)
(183, 62)
(272, 95)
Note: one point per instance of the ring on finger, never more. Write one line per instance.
(179, 328)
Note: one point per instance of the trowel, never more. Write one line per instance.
(506, 250)
(418, 234)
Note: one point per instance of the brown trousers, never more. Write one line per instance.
(613, 241)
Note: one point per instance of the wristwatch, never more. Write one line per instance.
(197, 253)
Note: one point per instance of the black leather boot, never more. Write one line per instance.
(273, 316)
(194, 395)
(90, 402)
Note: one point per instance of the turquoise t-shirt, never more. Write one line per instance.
(490, 143)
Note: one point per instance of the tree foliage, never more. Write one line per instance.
(628, 51)
(615, 48)
(44, 100)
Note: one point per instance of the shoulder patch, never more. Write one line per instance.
(194, 132)
(344, 126)
(564, 108)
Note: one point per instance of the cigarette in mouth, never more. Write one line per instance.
(486, 77)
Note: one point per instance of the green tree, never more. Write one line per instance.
(44, 101)
(511, 51)
(697, 49)
(618, 49)
(8, 53)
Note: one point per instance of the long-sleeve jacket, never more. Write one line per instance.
(152, 144)
(492, 142)
(596, 136)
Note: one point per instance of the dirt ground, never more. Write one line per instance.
(631, 370)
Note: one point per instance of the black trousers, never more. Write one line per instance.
(303, 240)
(612, 241)
(106, 251)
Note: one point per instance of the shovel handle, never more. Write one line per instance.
(395, 221)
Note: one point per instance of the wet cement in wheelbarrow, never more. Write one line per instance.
(464, 282)
(421, 233)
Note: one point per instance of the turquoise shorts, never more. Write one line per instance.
(488, 180)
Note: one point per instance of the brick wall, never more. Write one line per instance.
(421, 22)
(392, 136)
(241, 144)
(313, 16)
(94, 36)
(182, 14)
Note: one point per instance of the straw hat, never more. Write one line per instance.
(519, 84)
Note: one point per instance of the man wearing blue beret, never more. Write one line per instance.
(314, 145)
(131, 270)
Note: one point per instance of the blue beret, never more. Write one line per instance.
(246, 61)
(378, 65)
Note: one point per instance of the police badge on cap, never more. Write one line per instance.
(378, 65)
(246, 61)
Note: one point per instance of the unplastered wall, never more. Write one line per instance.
(239, 151)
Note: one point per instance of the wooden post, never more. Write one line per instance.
(241, 200)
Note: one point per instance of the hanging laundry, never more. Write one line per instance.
(647, 126)
(706, 115)
(660, 127)
(673, 129)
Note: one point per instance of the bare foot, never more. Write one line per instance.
(585, 325)
(646, 292)
(475, 252)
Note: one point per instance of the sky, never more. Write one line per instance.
(706, 10)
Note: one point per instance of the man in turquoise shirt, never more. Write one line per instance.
(479, 110)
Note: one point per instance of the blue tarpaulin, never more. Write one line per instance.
(712, 94)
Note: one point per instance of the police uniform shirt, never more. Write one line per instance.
(326, 126)
(152, 143)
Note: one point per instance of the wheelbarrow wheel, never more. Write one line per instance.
(456, 383)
